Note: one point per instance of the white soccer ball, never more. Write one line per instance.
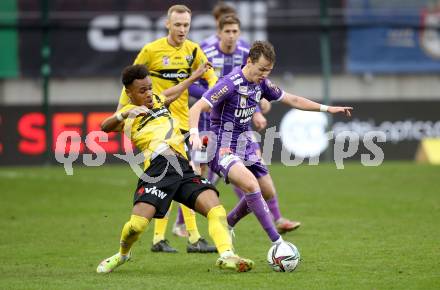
(283, 257)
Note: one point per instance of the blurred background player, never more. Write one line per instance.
(162, 145)
(232, 102)
(225, 54)
(170, 60)
(221, 9)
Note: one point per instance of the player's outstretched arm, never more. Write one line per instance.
(308, 105)
(173, 93)
(194, 116)
(115, 122)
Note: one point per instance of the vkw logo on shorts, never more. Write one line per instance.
(157, 192)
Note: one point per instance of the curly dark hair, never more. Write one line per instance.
(134, 72)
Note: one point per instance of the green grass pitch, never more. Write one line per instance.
(362, 228)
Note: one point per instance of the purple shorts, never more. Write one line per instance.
(225, 157)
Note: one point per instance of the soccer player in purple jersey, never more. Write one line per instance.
(225, 55)
(221, 9)
(232, 102)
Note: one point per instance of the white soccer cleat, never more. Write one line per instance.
(109, 264)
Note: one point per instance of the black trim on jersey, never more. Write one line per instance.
(156, 113)
(157, 98)
(194, 54)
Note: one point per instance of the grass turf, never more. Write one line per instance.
(362, 228)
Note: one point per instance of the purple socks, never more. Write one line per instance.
(256, 204)
(238, 212)
(274, 208)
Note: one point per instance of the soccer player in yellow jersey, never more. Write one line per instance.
(170, 60)
(168, 175)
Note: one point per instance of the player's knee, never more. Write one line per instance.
(217, 212)
(250, 185)
(138, 224)
(268, 195)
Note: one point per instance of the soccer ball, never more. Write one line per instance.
(283, 257)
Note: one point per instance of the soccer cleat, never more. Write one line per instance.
(284, 225)
(201, 246)
(235, 263)
(180, 230)
(163, 246)
(109, 264)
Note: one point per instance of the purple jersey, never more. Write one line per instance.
(233, 101)
(213, 39)
(223, 63)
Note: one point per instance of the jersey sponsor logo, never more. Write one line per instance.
(238, 59)
(212, 54)
(233, 77)
(157, 192)
(190, 58)
(238, 81)
(214, 97)
(244, 113)
(243, 101)
(165, 60)
(218, 61)
(176, 75)
(206, 50)
(272, 86)
(245, 120)
(243, 90)
(154, 114)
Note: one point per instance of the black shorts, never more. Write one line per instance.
(172, 186)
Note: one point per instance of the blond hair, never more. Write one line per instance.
(178, 9)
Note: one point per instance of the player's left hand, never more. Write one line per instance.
(138, 111)
(259, 121)
(344, 110)
(195, 142)
(201, 70)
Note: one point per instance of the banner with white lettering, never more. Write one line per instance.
(393, 129)
(90, 38)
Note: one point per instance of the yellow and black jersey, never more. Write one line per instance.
(154, 132)
(169, 65)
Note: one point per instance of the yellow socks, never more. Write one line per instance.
(160, 227)
(189, 216)
(131, 232)
(218, 229)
